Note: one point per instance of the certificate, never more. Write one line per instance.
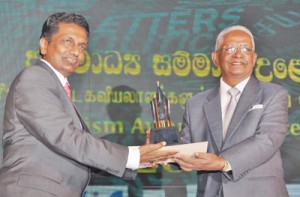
(183, 149)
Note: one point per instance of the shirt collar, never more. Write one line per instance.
(61, 78)
(224, 87)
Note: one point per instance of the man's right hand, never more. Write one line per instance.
(151, 153)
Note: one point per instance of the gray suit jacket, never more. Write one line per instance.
(257, 130)
(48, 149)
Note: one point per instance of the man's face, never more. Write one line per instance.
(66, 49)
(235, 57)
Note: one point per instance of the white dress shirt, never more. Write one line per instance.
(225, 97)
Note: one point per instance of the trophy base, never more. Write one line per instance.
(168, 134)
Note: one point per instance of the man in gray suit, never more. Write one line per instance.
(243, 160)
(48, 149)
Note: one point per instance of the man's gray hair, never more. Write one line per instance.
(230, 29)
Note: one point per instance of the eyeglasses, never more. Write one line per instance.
(232, 48)
(69, 43)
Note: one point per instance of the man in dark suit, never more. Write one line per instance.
(48, 149)
(243, 156)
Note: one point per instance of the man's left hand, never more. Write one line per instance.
(200, 161)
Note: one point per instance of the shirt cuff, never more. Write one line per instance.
(133, 160)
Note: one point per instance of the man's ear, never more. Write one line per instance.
(215, 59)
(254, 58)
(43, 45)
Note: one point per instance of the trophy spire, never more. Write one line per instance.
(162, 131)
(160, 109)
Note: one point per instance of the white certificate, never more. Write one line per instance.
(184, 149)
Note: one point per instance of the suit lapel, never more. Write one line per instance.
(247, 99)
(70, 108)
(84, 126)
(213, 115)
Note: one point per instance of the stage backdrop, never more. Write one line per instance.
(135, 43)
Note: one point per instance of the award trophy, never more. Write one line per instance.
(162, 131)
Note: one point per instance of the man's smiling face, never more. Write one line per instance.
(235, 57)
(66, 49)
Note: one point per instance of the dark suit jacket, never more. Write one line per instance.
(257, 130)
(46, 150)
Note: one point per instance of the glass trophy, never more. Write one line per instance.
(162, 131)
